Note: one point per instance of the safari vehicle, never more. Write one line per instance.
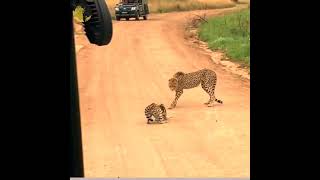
(132, 9)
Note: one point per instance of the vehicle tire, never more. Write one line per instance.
(127, 18)
(117, 18)
(145, 17)
(99, 27)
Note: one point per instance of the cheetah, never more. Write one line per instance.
(206, 77)
(157, 111)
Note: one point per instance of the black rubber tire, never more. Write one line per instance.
(117, 18)
(127, 18)
(99, 27)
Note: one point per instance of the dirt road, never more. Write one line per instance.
(119, 80)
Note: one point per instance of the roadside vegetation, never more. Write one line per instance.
(230, 34)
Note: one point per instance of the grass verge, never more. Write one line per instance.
(231, 34)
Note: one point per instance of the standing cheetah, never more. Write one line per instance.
(206, 77)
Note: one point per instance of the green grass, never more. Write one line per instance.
(231, 34)
(78, 15)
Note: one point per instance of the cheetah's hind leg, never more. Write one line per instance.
(206, 103)
(211, 100)
(210, 91)
(210, 104)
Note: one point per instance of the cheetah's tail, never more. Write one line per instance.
(219, 101)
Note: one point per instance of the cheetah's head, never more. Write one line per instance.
(173, 83)
(178, 74)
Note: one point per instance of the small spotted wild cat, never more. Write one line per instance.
(158, 112)
(206, 77)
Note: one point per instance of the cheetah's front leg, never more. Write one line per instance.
(174, 103)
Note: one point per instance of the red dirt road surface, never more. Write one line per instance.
(119, 80)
